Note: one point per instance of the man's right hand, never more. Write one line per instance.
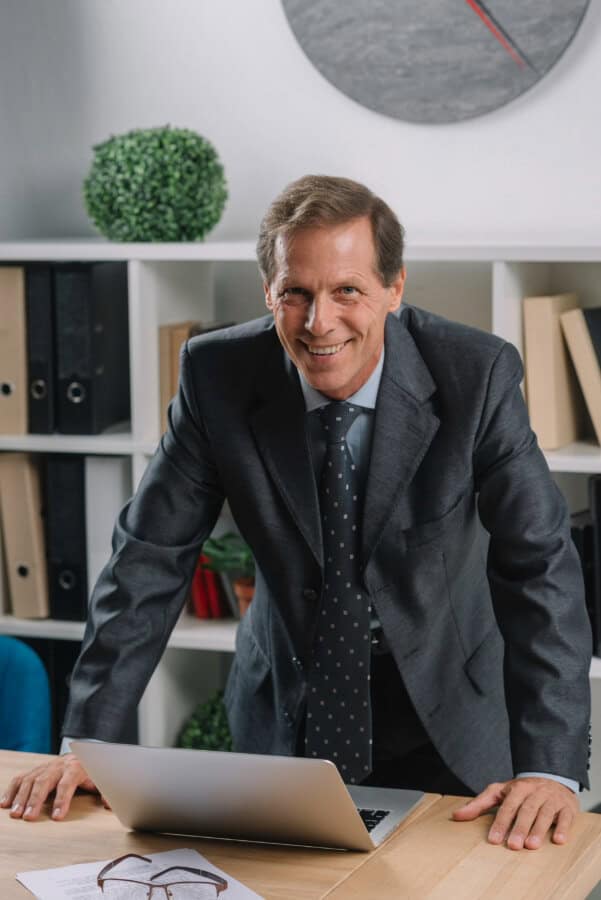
(27, 793)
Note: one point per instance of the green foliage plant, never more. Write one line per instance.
(229, 553)
(155, 184)
(207, 728)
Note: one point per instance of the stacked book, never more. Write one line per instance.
(562, 344)
(172, 338)
(211, 593)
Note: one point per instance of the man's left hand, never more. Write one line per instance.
(528, 808)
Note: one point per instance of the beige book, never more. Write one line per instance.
(164, 373)
(582, 330)
(555, 401)
(23, 533)
(13, 351)
(171, 338)
(179, 336)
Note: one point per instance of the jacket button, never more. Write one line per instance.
(296, 661)
(309, 594)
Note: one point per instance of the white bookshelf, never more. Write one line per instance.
(481, 285)
(190, 633)
(96, 249)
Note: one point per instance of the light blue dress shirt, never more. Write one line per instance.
(359, 440)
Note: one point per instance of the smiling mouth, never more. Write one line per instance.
(331, 350)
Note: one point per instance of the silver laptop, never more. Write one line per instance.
(279, 799)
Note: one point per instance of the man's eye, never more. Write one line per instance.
(348, 290)
(293, 295)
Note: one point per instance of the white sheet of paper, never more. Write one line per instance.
(79, 882)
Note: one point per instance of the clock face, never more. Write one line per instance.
(434, 60)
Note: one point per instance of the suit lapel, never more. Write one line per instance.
(403, 430)
(279, 427)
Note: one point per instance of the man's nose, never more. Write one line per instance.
(321, 315)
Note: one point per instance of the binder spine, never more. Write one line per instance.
(13, 351)
(40, 349)
(66, 537)
(73, 350)
(92, 346)
(23, 535)
(594, 487)
(110, 344)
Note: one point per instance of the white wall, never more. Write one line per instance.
(72, 72)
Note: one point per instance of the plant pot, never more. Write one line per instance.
(244, 589)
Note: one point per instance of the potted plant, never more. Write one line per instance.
(231, 555)
(155, 184)
(207, 728)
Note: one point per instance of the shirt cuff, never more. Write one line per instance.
(568, 782)
(66, 744)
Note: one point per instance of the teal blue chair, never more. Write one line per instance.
(24, 698)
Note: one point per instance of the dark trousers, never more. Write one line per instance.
(420, 770)
(403, 754)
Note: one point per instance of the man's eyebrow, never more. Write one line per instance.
(290, 280)
(351, 279)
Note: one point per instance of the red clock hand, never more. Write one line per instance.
(500, 34)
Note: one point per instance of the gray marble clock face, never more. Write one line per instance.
(434, 60)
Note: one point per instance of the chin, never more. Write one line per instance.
(334, 388)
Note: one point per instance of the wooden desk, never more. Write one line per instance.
(428, 857)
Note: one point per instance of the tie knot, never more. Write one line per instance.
(336, 418)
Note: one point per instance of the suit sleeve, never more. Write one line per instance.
(139, 595)
(536, 584)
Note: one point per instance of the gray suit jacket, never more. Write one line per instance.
(491, 637)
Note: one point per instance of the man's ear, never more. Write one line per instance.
(396, 290)
(268, 297)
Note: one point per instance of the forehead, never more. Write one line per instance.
(327, 249)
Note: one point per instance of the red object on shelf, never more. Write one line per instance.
(214, 589)
(206, 592)
(199, 594)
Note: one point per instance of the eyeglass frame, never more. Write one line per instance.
(219, 883)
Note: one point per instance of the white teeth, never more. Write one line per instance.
(326, 351)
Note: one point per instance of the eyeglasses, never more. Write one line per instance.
(205, 886)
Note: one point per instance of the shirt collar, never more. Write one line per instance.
(365, 396)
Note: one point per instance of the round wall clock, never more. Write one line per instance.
(434, 60)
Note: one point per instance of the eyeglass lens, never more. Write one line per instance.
(115, 889)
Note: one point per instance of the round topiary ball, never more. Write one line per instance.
(155, 184)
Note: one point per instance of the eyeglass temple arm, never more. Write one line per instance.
(115, 862)
(212, 875)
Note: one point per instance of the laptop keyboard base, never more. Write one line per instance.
(372, 817)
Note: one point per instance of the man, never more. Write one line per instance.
(385, 633)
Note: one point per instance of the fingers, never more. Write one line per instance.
(30, 791)
(39, 782)
(66, 787)
(486, 800)
(564, 823)
(10, 793)
(528, 811)
(544, 821)
(527, 815)
(26, 794)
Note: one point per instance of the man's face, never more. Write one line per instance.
(330, 306)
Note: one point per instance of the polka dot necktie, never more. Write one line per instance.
(338, 725)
